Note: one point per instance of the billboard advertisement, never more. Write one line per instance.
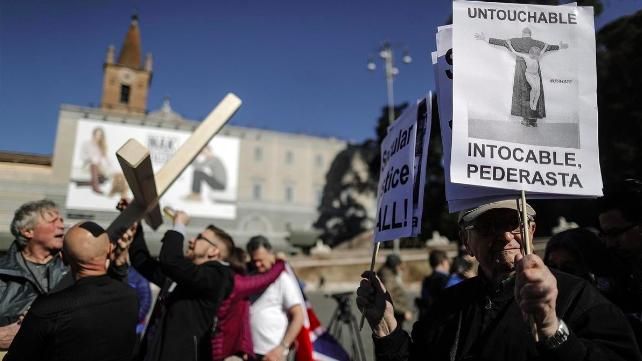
(207, 188)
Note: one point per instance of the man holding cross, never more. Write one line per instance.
(192, 288)
(487, 317)
(192, 284)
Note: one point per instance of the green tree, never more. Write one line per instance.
(619, 66)
(348, 202)
(344, 214)
(619, 60)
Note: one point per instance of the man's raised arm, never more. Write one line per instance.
(142, 261)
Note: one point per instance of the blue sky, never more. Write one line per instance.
(299, 66)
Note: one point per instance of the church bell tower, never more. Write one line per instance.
(126, 81)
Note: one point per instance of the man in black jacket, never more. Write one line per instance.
(486, 317)
(434, 284)
(95, 319)
(621, 223)
(192, 288)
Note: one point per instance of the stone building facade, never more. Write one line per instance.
(280, 175)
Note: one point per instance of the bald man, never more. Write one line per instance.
(95, 319)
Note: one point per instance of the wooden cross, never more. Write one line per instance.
(146, 187)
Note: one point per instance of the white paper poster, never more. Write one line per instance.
(525, 110)
(396, 179)
(444, 80)
(462, 196)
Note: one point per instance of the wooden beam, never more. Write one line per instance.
(199, 139)
(146, 187)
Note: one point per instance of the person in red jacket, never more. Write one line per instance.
(233, 336)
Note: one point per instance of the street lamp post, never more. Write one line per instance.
(386, 53)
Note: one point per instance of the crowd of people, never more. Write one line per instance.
(445, 273)
(76, 294)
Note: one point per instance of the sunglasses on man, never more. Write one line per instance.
(200, 236)
(490, 226)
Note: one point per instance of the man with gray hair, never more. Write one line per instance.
(93, 319)
(487, 317)
(32, 265)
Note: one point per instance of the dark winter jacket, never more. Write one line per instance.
(181, 322)
(474, 321)
(95, 319)
(18, 288)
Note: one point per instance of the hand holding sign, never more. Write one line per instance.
(536, 293)
(375, 304)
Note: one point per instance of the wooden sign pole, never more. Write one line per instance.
(375, 252)
(527, 249)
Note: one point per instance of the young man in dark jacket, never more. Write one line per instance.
(434, 284)
(192, 288)
(486, 317)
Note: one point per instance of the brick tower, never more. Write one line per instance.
(126, 81)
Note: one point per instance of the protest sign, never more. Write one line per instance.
(461, 196)
(443, 68)
(537, 129)
(443, 79)
(424, 112)
(396, 179)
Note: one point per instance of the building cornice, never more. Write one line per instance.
(25, 158)
(188, 124)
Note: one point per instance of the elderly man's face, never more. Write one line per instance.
(620, 234)
(262, 259)
(494, 239)
(49, 230)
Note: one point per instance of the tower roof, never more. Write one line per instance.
(130, 53)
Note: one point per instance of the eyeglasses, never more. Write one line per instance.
(200, 236)
(495, 226)
(616, 232)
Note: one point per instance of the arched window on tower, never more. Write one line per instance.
(124, 93)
